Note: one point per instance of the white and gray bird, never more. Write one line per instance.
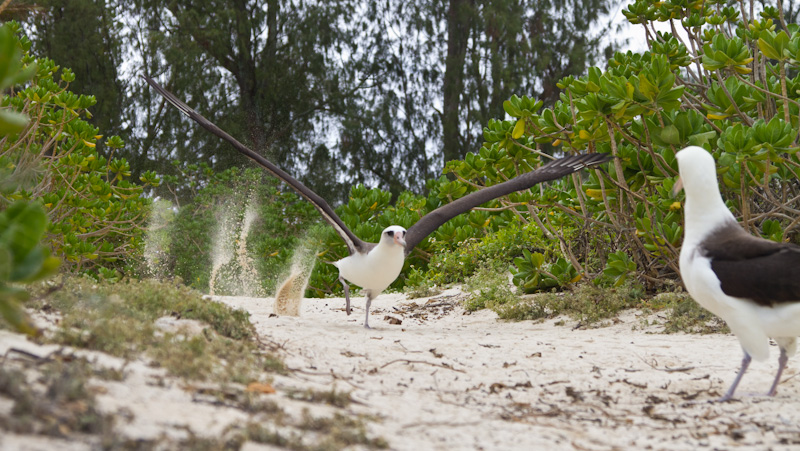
(374, 266)
(750, 282)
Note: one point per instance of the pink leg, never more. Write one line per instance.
(781, 365)
(346, 295)
(745, 363)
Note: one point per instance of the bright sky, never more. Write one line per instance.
(633, 33)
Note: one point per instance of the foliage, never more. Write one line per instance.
(512, 46)
(22, 258)
(489, 288)
(283, 218)
(119, 319)
(532, 274)
(59, 24)
(288, 111)
(499, 245)
(488, 236)
(455, 250)
(733, 93)
(618, 266)
(369, 211)
(302, 79)
(584, 302)
(95, 214)
(687, 316)
(338, 93)
(12, 73)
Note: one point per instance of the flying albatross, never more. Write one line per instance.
(751, 283)
(374, 266)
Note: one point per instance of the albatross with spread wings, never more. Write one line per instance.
(374, 266)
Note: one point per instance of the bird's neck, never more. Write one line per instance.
(387, 250)
(704, 211)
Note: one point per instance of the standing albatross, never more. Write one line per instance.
(374, 266)
(751, 283)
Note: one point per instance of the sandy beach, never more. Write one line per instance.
(446, 379)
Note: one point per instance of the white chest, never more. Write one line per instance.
(700, 280)
(375, 270)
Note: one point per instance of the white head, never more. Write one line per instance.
(704, 209)
(698, 172)
(394, 235)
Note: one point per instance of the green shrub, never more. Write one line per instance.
(584, 302)
(22, 258)
(688, 316)
(488, 288)
(12, 72)
(731, 88)
(618, 266)
(118, 318)
(451, 253)
(95, 214)
(282, 219)
(22, 224)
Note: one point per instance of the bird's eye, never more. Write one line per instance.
(390, 233)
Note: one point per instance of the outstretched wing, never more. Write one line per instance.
(551, 171)
(354, 244)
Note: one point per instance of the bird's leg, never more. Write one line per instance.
(745, 363)
(366, 318)
(781, 365)
(346, 295)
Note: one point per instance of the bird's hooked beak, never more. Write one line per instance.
(677, 187)
(400, 238)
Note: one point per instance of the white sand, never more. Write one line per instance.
(444, 379)
(451, 380)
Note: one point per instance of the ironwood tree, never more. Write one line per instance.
(336, 92)
(60, 24)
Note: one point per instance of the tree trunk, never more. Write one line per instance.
(459, 20)
(236, 56)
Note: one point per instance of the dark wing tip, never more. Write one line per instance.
(184, 108)
(354, 244)
(578, 162)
